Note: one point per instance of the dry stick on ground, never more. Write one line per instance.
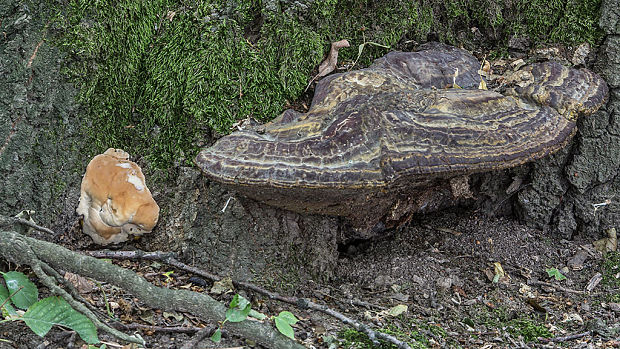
(10, 296)
(71, 289)
(169, 258)
(38, 266)
(21, 249)
(163, 329)
(20, 252)
(557, 287)
(14, 220)
(198, 337)
(565, 338)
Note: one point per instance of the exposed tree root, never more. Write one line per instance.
(304, 303)
(41, 255)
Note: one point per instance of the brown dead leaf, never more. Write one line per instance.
(124, 306)
(223, 286)
(534, 303)
(82, 284)
(329, 64)
(459, 290)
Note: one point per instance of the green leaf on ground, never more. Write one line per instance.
(288, 317)
(234, 302)
(217, 336)
(555, 273)
(28, 293)
(7, 309)
(283, 321)
(50, 311)
(238, 310)
(284, 327)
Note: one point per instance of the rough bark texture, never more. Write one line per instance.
(40, 157)
(566, 188)
(242, 238)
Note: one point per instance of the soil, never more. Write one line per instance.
(440, 266)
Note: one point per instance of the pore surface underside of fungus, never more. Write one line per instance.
(377, 143)
(114, 199)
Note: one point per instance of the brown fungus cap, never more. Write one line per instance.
(114, 199)
(382, 137)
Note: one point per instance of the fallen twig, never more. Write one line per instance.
(565, 338)
(198, 337)
(163, 329)
(13, 220)
(71, 289)
(38, 266)
(34, 54)
(557, 287)
(10, 296)
(302, 303)
(365, 304)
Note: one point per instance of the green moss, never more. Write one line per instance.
(355, 339)
(158, 77)
(560, 21)
(156, 84)
(503, 320)
(529, 329)
(611, 270)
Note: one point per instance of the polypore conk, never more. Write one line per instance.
(114, 200)
(394, 139)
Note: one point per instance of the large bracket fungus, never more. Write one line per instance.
(382, 143)
(114, 200)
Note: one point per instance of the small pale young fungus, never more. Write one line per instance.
(114, 200)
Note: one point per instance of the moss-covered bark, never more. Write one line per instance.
(158, 76)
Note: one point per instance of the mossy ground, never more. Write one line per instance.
(611, 273)
(159, 77)
(417, 333)
(404, 329)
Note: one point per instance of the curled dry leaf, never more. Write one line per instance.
(594, 281)
(484, 72)
(82, 284)
(329, 64)
(486, 67)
